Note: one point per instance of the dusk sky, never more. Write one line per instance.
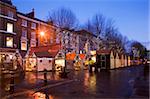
(131, 16)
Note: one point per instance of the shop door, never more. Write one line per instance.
(103, 62)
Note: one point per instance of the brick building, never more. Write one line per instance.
(19, 31)
(8, 30)
(33, 32)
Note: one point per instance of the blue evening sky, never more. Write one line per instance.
(131, 16)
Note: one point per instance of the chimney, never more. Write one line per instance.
(31, 14)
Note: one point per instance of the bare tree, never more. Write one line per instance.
(138, 47)
(96, 25)
(63, 18)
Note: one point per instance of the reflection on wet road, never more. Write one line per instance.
(119, 83)
(105, 84)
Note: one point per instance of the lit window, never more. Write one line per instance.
(9, 27)
(23, 46)
(33, 43)
(10, 14)
(24, 33)
(9, 41)
(24, 23)
(33, 25)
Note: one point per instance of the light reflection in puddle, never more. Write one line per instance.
(40, 95)
(90, 81)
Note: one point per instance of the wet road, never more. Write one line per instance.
(131, 82)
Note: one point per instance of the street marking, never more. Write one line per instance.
(38, 89)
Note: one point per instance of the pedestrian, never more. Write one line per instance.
(90, 65)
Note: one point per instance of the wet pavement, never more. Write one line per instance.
(130, 82)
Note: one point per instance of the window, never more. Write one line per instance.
(0, 40)
(23, 45)
(10, 14)
(33, 43)
(24, 33)
(9, 27)
(33, 35)
(9, 41)
(0, 10)
(51, 40)
(33, 25)
(24, 23)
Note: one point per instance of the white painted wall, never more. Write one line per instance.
(45, 64)
(122, 61)
(118, 61)
(125, 60)
(129, 61)
(112, 61)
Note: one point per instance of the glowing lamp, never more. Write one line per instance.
(42, 33)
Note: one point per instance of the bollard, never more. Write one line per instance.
(11, 91)
(45, 76)
(90, 70)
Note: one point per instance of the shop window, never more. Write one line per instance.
(9, 41)
(103, 57)
(9, 27)
(23, 46)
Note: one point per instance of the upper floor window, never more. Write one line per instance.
(24, 33)
(9, 41)
(9, 27)
(33, 25)
(33, 35)
(0, 11)
(10, 14)
(24, 23)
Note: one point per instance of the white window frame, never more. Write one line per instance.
(24, 31)
(24, 23)
(33, 25)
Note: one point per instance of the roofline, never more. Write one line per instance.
(10, 5)
(36, 20)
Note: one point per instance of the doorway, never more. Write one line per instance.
(103, 61)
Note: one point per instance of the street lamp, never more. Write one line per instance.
(42, 33)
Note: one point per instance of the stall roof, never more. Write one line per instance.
(45, 51)
(103, 51)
